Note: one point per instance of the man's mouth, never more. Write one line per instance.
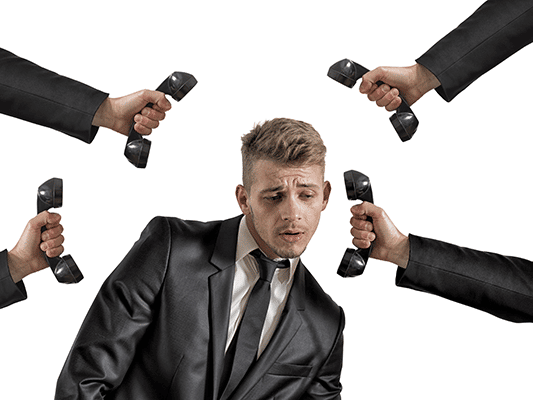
(291, 236)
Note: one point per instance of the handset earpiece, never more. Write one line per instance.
(357, 188)
(176, 85)
(50, 195)
(404, 120)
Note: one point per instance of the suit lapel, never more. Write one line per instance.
(288, 326)
(220, 289)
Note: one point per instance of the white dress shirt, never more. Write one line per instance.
(246, 275)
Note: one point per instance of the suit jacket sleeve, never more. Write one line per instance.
(10, 292)
(327, 385)
(37, 95)
(500, 285)
(117, 320)
(494, 32)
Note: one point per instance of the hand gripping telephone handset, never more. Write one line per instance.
(176, 85)
(50, 195)
(357, 188)
(404, 120)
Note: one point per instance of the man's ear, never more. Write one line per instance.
(327, 191)
(242, 199)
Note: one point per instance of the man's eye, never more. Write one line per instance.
(274, 198)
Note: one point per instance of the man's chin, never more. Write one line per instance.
(288, 253)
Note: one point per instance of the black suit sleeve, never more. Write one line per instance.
(38, 95)
(10, 292)
(118, 319)
(497, 30)
(500, 285)
(327, 385)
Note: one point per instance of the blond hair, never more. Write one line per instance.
(283, 140)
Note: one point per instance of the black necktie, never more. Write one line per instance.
(242, 351)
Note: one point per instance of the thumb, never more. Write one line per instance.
(45, 218)
(370, 79)
(157, 98)
(364, 210)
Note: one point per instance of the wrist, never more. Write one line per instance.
(425, 78)
(15, 266)
(399, 255)
(103, 116)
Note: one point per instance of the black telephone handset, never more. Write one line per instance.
(176, 85)
(50, 195)
(348, 72)
(357, 188)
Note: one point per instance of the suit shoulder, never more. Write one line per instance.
(178, 228)
(184, 232)
(185, 226)
(192, 234)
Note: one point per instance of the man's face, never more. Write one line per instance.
(283, 206)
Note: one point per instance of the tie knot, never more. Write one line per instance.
(267, 267)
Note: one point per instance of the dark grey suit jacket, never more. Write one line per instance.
(497, 284)
(9, 291)
(43, 97)
(500, 285)
(497, 30)
(38, 95)
(158, 326)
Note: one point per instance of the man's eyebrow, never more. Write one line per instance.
(281, 187)
(308, 185)
(273, 189)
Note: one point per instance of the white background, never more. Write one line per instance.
(464, 177)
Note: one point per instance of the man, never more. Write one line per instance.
(35, 94)
(497, 284)
(500, 285)
(27, 256)
(494, 32)
(168, 322)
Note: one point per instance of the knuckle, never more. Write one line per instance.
(397, 102)
(153, 115)
(360, 224)
(143, 129)
(390, 96)
(56, 251)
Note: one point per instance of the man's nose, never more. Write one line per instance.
(291, 210)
